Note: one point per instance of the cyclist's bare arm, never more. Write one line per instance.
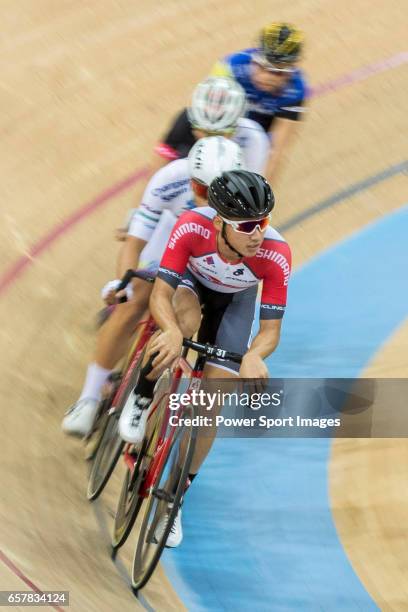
(264, 344)
(129, 254)
(128, 258)
(267, 339)
(168, 343)
(161, 306)
(283, 132)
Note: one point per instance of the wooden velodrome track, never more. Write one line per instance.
(86, 88)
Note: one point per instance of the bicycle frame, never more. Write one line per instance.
(149, 328)
(159, 454)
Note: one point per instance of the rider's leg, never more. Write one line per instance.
(132, 424)
(202, 447)
(206, 434)
(233, 323)
(112, 342)
(188, 311)
(114, 335)
(228, 324)
(113, 339)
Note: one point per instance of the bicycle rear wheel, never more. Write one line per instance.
(178, 454)
(111, 445)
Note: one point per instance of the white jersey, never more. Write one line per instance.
(250, 136)
(254, 143)
(167, 195)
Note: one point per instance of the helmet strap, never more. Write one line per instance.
(229, 245)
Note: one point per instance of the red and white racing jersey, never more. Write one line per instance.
(193, 246)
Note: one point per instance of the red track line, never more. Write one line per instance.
(16, 269)
(24, 578)
(19, 266)
(360, 74)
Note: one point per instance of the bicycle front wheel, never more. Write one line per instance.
(94, 439)
(164, 498)
(130, 501)
(106, 457)
(111, 444)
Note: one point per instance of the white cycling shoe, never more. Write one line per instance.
(175, 536)
(132, 422)
(79, 419)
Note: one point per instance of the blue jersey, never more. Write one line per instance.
(264, 107)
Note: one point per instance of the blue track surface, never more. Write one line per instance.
(259, 533)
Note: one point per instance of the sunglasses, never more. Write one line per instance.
(263, 63)
(199, 188)
(248, 227)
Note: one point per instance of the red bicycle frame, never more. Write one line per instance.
(149, 328)
(163, 442)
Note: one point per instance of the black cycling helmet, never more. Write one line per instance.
(239, 194)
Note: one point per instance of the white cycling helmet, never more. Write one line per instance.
(217, 104)
(213, 155)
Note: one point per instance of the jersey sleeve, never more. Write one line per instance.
(254, 143)
(275, 282)
(155, 199)
(178, 140)
(178, 250)
(235, 66)
(222, 68)
(293, 108)
(293, 112)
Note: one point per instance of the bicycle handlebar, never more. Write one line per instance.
(204, 349)
(146, 275)
(212, 351)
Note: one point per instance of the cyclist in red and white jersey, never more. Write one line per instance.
(214, 261)
(180, 186)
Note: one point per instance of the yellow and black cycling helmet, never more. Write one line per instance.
(281, 43)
